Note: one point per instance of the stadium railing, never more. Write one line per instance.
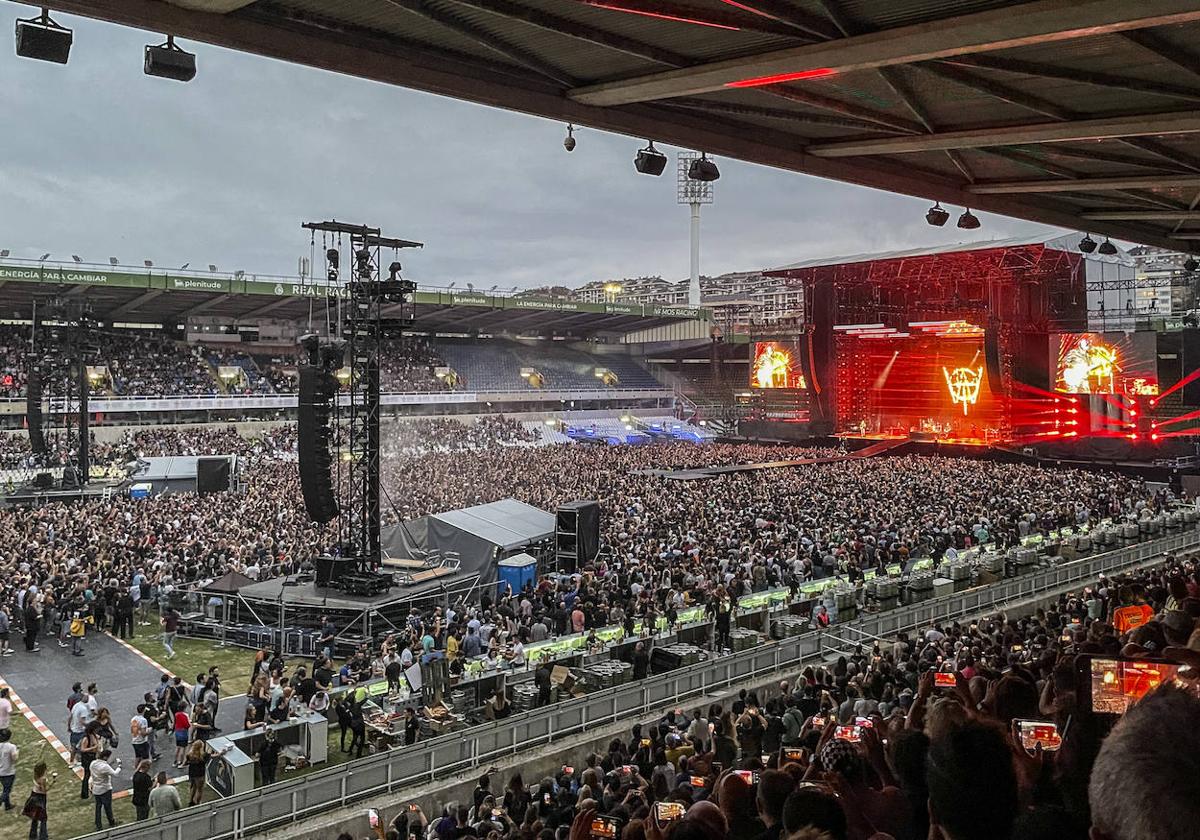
(466, 750)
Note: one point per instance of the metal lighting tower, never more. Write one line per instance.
(377, 308)
(692, 193)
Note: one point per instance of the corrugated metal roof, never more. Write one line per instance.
(1067, 242)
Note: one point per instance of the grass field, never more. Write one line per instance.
(196, 656)
(71, 816)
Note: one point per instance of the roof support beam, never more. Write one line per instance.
(134, 305)
(206, 304)
(1133, 182)
(732, 17)
(713, 106)
(974, 81)
(482, 36)
(785, 12)
(1039, 22)
(1156, 44)
(1179, 122)
(577, 30)
(1143, 215)
(263, 310)
(1085, 77)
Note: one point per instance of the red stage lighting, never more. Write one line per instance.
(778, 78)
(615, 7)
(1153, 436)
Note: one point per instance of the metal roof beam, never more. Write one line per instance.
(785, 12)
(132, 305)
(1132, 182)
(579, 31)
(966, 78)
(1039, 22)
(483, 37)
(1165, 50)
(712, 106)
(1143, 215)
(837, 106)
(1179, 122)
(1086, 77)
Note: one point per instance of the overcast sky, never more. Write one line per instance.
(100, 160)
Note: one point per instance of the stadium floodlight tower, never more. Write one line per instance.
(378, 308)
(693, 193)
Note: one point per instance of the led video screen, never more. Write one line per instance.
(1105, 363)
(776, 364)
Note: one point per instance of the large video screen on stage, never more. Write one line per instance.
(776, 364)
(1105, 363)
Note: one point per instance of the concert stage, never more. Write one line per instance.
(28, 495)
(289, 612)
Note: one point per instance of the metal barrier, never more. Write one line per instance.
(448, 755)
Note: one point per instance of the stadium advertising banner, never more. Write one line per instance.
(242, 284)
(776, 364)
(1105, 363)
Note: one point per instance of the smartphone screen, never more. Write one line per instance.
(848, 733)
(750, 777)
(666, 812)
(1034, 732)
(819, 720)
(1116, 684)
(864, 722)
(697, 782)
(941, 679)
(766, 759)
(373, 817)
(604, 828)
(646, 742)
(792, 754)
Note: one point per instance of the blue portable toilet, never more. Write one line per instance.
(515, 571)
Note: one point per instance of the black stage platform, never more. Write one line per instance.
(292, 594)
(29, 496)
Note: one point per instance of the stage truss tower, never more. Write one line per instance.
(374, 309)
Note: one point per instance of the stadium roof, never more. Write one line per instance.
(151, 295)
(1069, 243)
(1076, 113)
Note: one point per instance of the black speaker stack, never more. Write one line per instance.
(33, 411)
(318, 390)
(576, 534)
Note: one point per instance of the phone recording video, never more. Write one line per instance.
(1034, 732)
(864, 723)
(697, 782)
(646, 742)
(853, 734)
(750, 777)
(793, 754)
(819, 720)
(943, 679)
(605, 828)
(1115, 684)
(666, 812)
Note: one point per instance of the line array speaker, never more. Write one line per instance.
(318, 389)
(33, 412)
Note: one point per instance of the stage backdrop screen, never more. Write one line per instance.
(776, 364)
(1105, 363)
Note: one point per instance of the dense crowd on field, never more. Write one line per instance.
(667, 543)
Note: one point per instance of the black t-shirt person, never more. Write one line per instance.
(307, 688)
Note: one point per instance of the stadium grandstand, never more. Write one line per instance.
(916, 557)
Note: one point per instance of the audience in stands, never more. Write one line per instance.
(933, 762)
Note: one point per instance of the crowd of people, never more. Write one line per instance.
(873, 747)
(70, 569)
